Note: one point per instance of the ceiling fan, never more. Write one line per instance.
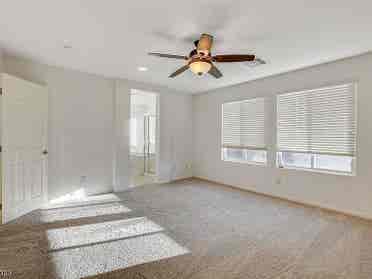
(200, 60)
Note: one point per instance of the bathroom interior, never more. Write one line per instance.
(143, 137)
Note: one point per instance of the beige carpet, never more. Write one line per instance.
(190, 229)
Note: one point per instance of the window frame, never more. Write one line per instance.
(353, 171)
(248, 162)
(279, 165)
(223, 147)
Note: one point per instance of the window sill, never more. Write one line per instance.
(252, 163)
(338, 173)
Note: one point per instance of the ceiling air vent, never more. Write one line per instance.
(255, 63)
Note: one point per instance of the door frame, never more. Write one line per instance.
(157, 137)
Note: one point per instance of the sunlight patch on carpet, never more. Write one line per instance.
(79, 198)
(68, 237)
(62, 214)
(105, 257)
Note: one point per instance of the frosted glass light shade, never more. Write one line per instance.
(200, 67)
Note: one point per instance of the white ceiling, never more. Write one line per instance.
(112, 37)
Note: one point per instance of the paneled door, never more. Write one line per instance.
(24, 146)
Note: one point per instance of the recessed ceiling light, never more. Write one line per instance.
(142, 69)
(66, 44)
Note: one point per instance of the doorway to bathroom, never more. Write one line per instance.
(144, 141)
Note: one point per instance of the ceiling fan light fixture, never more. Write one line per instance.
(200, 67)
(200, 60)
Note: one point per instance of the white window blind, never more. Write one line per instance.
(244, 124)
(318, 121)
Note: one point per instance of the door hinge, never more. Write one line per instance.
(1, 91)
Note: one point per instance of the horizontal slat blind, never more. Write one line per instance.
(318, 121)
(244, 124)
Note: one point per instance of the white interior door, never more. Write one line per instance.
(24, 146)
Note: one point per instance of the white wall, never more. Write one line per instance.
(85, 114)
(1, 63)
(1, 70)
(343, 193)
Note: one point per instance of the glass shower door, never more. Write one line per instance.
(149, 146)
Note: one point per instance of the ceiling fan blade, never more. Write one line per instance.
(233, 58)
(179, 71)
(169, 55)
(215, 72)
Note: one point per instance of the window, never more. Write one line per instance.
(316, 129)
(243, 131)
(316, 161)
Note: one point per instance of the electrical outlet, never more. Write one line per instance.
(188, 166)
(278, 181)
